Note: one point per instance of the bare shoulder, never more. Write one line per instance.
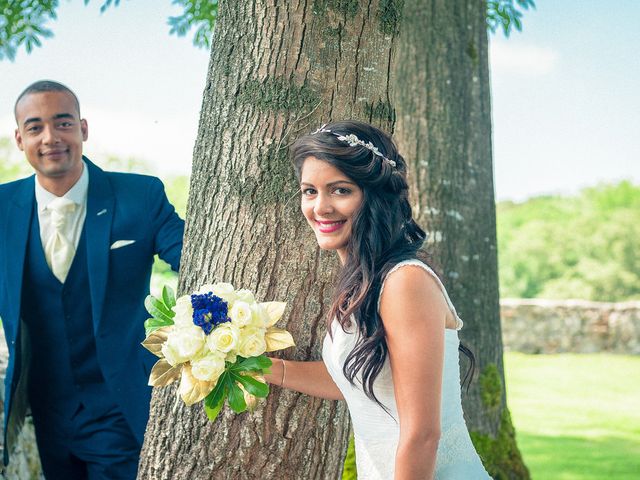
(411, 289)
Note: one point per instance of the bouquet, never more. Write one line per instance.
(214, 341)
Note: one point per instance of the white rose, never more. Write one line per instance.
(245, 296)
(231, 357)
(241, 314)
(208, 368)
(184, 311)
(225, 291)
(223, 338)
(171, 355)
(183, 344)
(252, 342)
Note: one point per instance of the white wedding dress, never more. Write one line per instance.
(376, 432)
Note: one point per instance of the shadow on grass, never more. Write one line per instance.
(573, 458)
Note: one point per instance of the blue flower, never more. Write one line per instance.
(209, 311)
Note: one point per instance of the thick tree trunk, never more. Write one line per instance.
(442, 99)
(277, 69)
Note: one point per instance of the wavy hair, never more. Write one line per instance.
(383, 234)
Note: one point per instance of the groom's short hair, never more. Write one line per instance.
(42, 86)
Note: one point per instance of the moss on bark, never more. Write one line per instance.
(278, 94)
(390, 15)
(491, 387)
(500, 455)
(382, 111)
(274, 184)
(348, 8)
(472, 52)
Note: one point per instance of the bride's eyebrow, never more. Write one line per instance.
(330, 184)
(338, 182)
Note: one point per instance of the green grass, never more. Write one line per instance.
(577, 417)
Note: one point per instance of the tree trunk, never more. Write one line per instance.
(277, 69)
(442, 99)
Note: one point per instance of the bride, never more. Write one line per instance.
(391, 350)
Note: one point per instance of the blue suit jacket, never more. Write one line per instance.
(120, 206)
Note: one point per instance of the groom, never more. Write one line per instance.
(76, 249)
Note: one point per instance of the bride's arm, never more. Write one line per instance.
(311, 378)
(414, 312)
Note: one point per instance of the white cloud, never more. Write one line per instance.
(164, 142)
(530, 60)
(7, 126)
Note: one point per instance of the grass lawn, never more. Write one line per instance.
(576, 416)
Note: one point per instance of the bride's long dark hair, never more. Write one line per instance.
(383, 234)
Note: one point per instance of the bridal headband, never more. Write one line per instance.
(354, 141)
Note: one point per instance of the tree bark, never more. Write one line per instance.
(442, 99)
(277, 69)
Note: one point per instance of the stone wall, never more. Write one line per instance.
(557, 326)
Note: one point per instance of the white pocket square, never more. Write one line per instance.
(121, 243)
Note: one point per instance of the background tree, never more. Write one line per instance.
(584, 246)
(443, 107)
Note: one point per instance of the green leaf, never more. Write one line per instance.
(218, 391)
(252, 364)
(152, 324)
(253, 386)
(169, 297)
(157, 309)
(214, 401)
(236, 396)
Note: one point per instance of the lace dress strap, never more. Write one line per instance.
(427, 268)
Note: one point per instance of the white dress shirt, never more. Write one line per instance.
(75, 221)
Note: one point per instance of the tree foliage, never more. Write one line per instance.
(507, 14)
(23, 22)
(586, 246)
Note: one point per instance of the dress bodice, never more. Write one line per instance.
(376, 431)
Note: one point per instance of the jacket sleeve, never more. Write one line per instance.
(167, 226)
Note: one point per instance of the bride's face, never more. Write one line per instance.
(329, 201)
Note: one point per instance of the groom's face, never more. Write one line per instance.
(50, 132)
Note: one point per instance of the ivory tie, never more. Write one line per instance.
(59, 251)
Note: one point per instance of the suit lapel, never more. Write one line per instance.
(100, 210)
(19, 220)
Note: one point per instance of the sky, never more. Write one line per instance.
(565, 90)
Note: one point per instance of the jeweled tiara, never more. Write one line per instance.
(354, 141)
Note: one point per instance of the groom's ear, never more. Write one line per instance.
(84, 128)
(18, 138)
